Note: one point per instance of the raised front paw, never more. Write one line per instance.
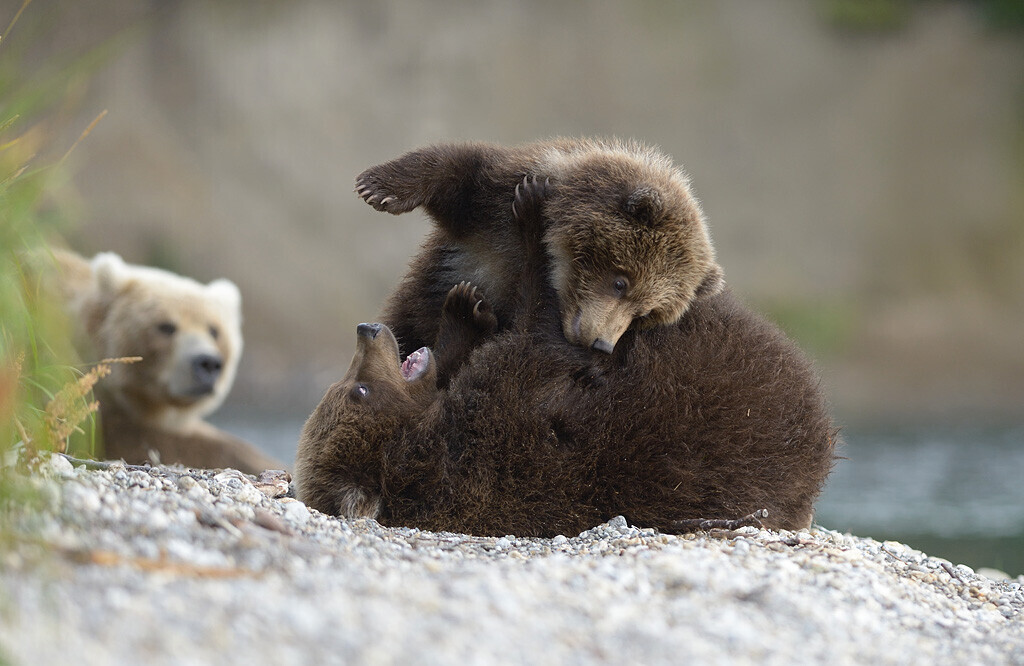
(385, 188)
(466, 305)
(529, 196)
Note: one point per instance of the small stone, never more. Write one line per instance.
(61, 465)
(296, 511)
(963, 570)
(618, 523)
(993, 574)
(186, 483)
(232, 478)
(502, 543)
(274, 483)
(248, 494)
(139, 479)
(559, 540)
(271, 521)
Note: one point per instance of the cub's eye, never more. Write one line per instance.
(167, 328)
(620, 285)
(214, 332)
(360, 391)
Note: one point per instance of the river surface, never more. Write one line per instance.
(955, 492)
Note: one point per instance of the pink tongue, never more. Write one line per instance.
(414, 365)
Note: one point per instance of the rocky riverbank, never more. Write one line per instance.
(171, 566)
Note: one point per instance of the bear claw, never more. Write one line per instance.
(379, 191)
(529, 194)
(467, 304)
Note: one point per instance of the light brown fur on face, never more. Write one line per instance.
(189, 338)
(618, 214)
(631, 243)
(377, 394)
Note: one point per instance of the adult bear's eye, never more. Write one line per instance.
(360, 391)
(167, 328)
(620, 286)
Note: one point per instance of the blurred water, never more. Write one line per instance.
(955, 482)
(956, 492)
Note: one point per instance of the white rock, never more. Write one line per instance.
(296, 511)
(61, 465)
(248, 494)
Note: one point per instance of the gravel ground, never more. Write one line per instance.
(175, 566)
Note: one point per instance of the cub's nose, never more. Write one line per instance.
(603, 346)
(368, 330)
(206, 369)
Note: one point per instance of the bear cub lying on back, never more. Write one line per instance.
(190, 340)
(626, 240)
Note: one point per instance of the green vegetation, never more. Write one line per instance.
(867, 15)
(821, 328)
(44, 399)
(875, 16)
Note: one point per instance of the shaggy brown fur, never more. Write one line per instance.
(189, 338)
(626, 239)
(717, 415)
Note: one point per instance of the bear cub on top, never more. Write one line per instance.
(627, 241)
(717, 415)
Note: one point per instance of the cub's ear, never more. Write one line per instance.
(713, 283)
(227, 294)
(643, 205)
(109, 270)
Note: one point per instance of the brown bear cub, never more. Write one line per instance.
(626, 239)
(715, 416)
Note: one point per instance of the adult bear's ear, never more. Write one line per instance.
(108, 270)
(643, 205)
(714, 282)
(227, 294)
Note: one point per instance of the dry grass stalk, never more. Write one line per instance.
(70, 407)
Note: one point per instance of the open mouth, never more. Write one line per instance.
(415, 364)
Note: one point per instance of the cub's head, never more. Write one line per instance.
(188, 335)
(627, 241)
(337, 465)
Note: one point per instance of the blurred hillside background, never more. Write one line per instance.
(861, 163)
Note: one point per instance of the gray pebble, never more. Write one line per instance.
(139, 574)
